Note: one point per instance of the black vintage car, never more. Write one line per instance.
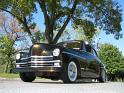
(67, 61)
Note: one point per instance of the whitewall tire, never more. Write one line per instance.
(70, 72)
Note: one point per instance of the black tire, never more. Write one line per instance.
(65, 73)
(27, 76)
(103, 76)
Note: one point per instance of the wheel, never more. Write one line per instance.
(27, 76)
(69, 74)
(103, 76)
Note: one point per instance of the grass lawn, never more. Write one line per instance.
(12, 76)
(8, 75)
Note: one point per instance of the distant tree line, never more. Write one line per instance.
(113, 60)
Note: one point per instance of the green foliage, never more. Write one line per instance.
(112, 58)
(99, 14)
(87, 26)
(1, 67)
(5, 3)
(22, 10)
(6, 46)
(65, 36)
(7, 52)
(38, 37)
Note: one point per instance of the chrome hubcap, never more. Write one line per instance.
(72, 71)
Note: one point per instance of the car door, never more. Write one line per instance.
(83, 62)
(93, 67)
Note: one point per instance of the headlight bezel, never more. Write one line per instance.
(56, 52)
(18, 56)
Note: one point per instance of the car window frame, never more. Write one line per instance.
(94, 52)
(92, 49)
(84, 48)
(67, 43)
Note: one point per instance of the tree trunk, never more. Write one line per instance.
(6, 67)
(66, 22)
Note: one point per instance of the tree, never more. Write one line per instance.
(120, 72)
(112, 58)
(85, 14)
(11, 38)
(7, 51)
(10, 27)
(81, 35)
(38, 37)
(21, 10)
(8, 37)
(10, 33)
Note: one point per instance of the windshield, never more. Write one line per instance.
(73, 45)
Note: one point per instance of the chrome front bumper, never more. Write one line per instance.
(38, 62)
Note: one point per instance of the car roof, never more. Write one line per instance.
(73, 41)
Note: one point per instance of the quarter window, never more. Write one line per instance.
(88, 48)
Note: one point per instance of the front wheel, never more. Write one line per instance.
(27, 76)
(69, 74)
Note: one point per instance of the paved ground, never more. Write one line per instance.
(48, 86)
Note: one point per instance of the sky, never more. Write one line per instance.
(104, 38)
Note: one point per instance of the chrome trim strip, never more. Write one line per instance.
(22, 63)
(38, 66)
(44, 66)
(53, 61)
(25, 58)
(36, 57)
(40, 56)
(75, 55)
(45, 61)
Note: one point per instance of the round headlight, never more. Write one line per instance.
(18, 56)
(56, 52)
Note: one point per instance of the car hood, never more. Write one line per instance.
(41, 49)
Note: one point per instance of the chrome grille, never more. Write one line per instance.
(40, 64)
(42, 58)
(38, 61)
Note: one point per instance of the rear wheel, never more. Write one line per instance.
(69, 74)
(103, 76)
(27, 76)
